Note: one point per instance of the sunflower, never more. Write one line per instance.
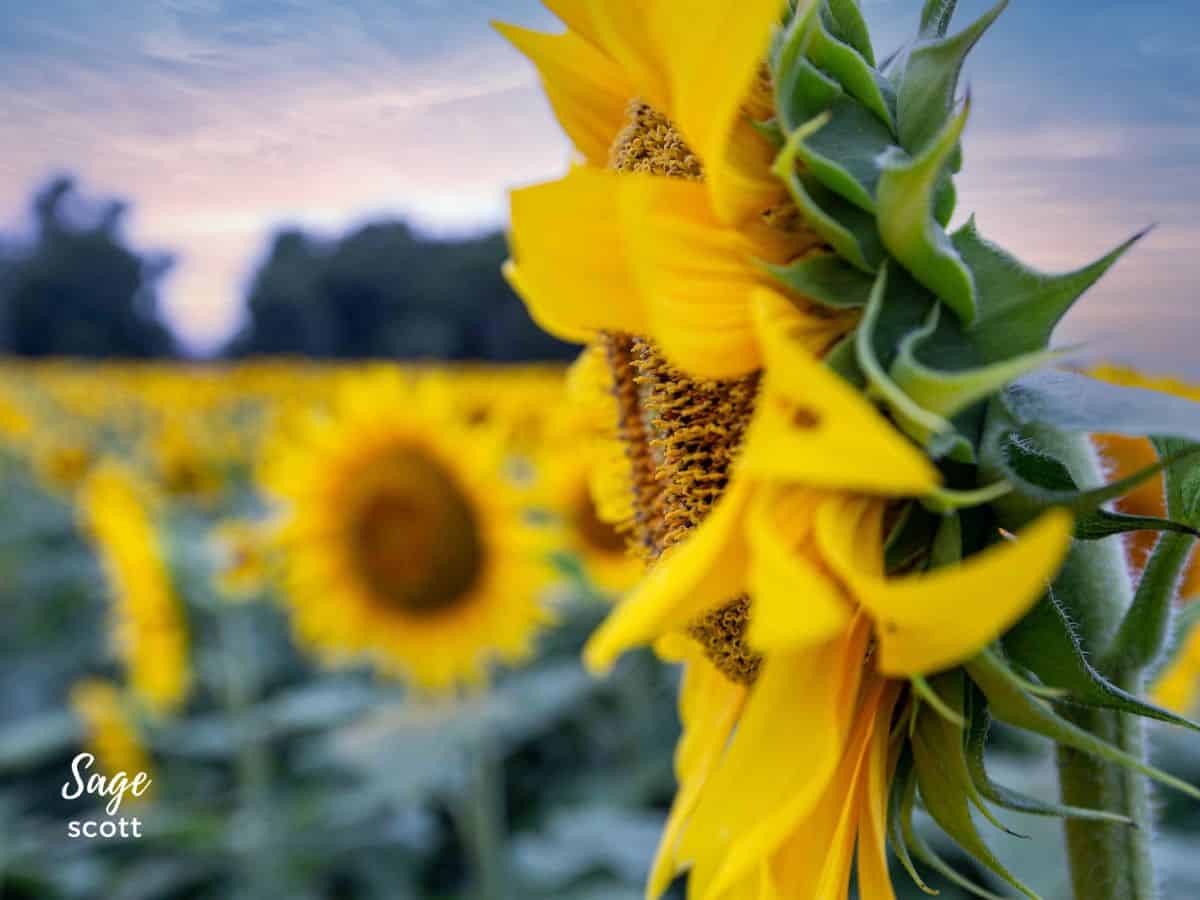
(112, 733)
(805, 516)
(402, 540)
(150, 625)
(666, 228)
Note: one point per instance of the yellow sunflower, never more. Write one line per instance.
(805, 515)
(403, 541)
(111, 732)
(662, 232)
(150, 625)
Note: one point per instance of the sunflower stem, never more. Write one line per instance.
(480, 822)
(1107, 861)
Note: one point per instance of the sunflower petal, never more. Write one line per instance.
(696, 275)
(713, 59)
(813, 428)
(795, 601)
(927, 623)
(703, 572)
(626, 32)
(569, 262)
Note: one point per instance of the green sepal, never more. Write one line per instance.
(804, 92)
(935, 18)
(901, 799)
(907, 226)
(1045, 643)
(926, 96)
(1011, 704)
(851, 69)
(1072, 402)
(825, 279)
(1019, 307)
(978, 724)
(948, 393)
(928, 429)
(771, 131)
(907, 547)
(1101, 523)
(851, 28)
(843, 360)
(841, 224)
(844, 155)
(945, 781)
(1048, 481)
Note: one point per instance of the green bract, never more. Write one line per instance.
(953, 342)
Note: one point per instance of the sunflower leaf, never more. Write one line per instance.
(841, 224)
(1018, 306)
(825, 279)
(979, 723)
(901, 799)
(1045, 643)
(1101, 523)
(1011, 703)
(1182, 482)
(906, 224)
(844, 154)
(804, 93)
(930, 80)
(1073, 402)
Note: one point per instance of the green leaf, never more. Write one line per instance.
(804, 93)
(1073, 402)
(1011, 703)
(936, 16)
(842, 359)
(1101, 523)
(1047, 480)
(1018, 306)
(825, 279)
(1182, 482)
(979, 723)
(1045, 644)
(845, 227)
(927, 88)
(906, 224)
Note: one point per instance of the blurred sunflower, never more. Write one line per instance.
(663, 232)
(150, 628)
(245, 551)
(62, 461)
(111, 732)
(184, 464)
(1128, 455)
(403, 541)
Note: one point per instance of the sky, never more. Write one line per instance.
(221, 120)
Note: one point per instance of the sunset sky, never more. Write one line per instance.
(222, 119)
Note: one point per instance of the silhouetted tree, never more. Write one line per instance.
(76, 288)
(385, 291)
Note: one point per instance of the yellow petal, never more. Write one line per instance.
(713, 59)
(797, 710)
(813, 428)
(795, 602)
(704, 572)
(874, 881)
(927, 623)
(626, 32)
(587, 91)
(576, 15)
(569, 256)
(696, 275)
(709, 706)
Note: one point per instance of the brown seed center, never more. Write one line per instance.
(416, 536)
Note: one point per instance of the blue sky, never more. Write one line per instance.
(222, 118)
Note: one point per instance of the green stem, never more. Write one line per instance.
(1107, 861)
(481, 823)
(1145, 632)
